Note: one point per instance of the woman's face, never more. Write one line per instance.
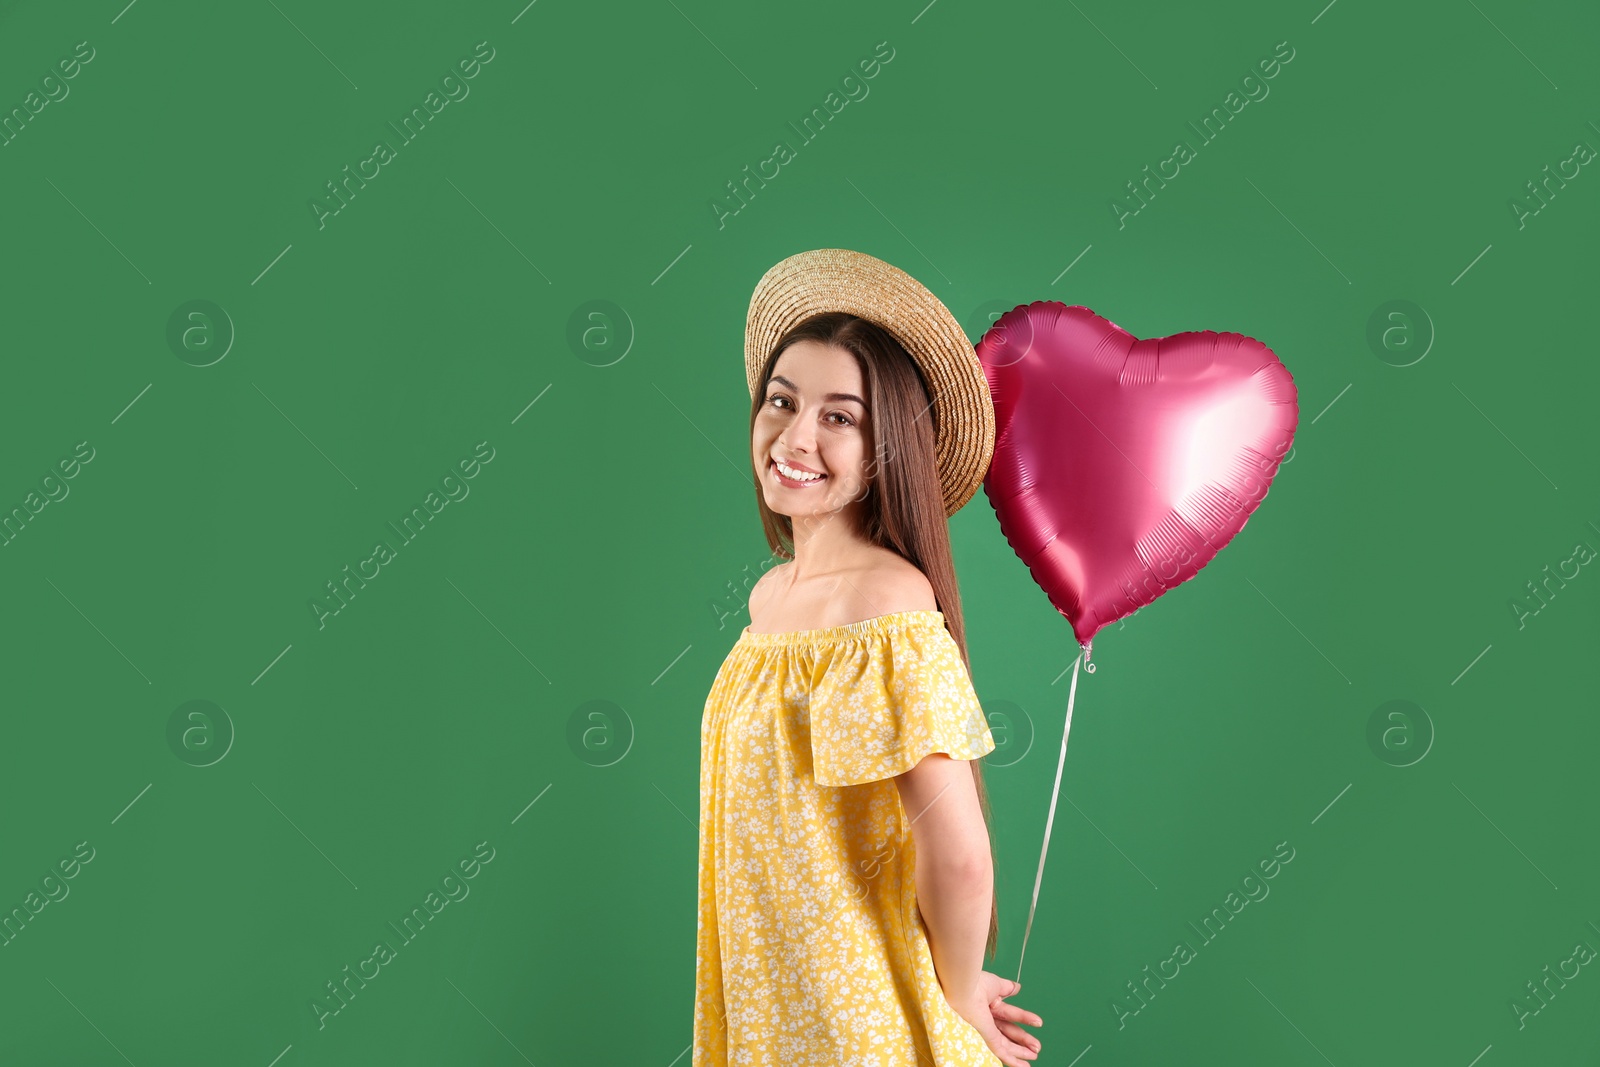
(813, 417)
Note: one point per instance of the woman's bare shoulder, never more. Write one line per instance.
(763, 587)
(890, 583)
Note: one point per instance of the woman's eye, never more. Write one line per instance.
(783, 404)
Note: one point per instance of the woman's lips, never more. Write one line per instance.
(790, 483)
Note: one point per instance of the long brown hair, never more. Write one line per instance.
(904, 504)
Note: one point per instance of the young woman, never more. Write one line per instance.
(846, 876)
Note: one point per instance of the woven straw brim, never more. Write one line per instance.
(837, 279)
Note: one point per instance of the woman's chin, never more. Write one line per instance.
(823, 507)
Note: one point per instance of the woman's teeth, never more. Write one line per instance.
(797, 476)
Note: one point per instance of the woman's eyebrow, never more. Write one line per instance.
(831, 396)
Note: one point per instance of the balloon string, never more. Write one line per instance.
(1061, 763)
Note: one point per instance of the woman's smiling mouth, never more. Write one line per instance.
(793, 479)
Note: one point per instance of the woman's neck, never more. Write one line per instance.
(828, 544)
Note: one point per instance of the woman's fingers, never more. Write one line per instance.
(1020, 1036)
(1014, 1055)
(1023, 1052)
(1003, 1043)
(996, 987)
(1009, 1052)
(1015, 1046)
(1012, 1013)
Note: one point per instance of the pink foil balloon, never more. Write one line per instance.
(1121, 466)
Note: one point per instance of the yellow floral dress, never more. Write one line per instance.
(811, 951)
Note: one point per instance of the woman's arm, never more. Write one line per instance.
(955, 880)
(955, 874)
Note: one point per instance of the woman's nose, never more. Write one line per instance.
(799, 438)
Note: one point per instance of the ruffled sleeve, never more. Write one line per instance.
(881, 703)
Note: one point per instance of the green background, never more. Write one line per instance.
(602, 554)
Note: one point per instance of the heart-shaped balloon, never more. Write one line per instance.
(1121, 467)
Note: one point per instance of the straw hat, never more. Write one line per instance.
(836, 279)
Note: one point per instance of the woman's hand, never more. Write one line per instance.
(986, 1010)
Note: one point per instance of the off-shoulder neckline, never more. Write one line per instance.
(889, 623)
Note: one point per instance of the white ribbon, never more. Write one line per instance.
(1050, 820)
